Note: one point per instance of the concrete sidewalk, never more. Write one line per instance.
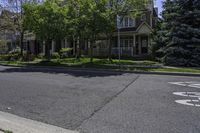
(18, 124)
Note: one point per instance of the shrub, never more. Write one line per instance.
(65, 52)
(15, 51)
(9, 57)
(28, 57)
(55, 56)
(40, 56)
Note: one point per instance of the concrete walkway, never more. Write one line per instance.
(18, 124)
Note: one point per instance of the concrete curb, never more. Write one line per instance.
(99, 70)
(18, 124)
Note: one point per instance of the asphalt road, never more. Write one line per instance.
(102, 102)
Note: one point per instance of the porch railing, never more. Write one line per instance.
(123, 51)
(126, 51)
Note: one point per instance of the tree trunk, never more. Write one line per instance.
(91, 50)
(21, 43)
(47, 49)
(76, 49)
(110, 48)
(80, 47)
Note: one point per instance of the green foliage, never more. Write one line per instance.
(158, 42)
(3, 46)
(15, 51)
(179, 33)
(9, 57)
(65, 52)
(47, 20)
(55, 56)
(77, 19)
(28, 57)
(15, 55)
(40, 56)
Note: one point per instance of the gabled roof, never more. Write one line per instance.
(144, 28)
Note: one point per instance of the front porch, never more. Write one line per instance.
(132, 42)
(130, 46)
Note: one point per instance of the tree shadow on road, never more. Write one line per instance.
(68, 71)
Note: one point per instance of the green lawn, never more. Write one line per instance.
(82, 62)
(130, 65)
(5, 131)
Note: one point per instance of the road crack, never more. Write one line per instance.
(107, 102)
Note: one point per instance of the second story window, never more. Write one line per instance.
(128, 22)
(143, 18)
(131, 23)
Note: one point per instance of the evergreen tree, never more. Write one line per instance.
(161, 34)
(158, 42)
(183, 45)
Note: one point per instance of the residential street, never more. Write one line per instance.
(102, 102)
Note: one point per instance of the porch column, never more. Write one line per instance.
(139, 45)
(74, 48)
(134, 45)
(66, 43)
(149, 44)
(43, 47)
(52, 47)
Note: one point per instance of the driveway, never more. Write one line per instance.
(101, 102)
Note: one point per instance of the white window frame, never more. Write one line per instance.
(126, 46)
(144, 17)
(128, 22)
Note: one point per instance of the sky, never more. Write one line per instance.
(159, 5)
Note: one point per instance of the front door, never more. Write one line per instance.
(144, 44)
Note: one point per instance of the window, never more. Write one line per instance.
(144, 43)
(143, 18)
(130, 42)
(121, 43)
(126, 43)
(128, 22)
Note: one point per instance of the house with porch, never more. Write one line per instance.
(135, 38)
(134, 33)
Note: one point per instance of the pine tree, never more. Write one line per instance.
(157, 41)
(183, 46)
(161, 35)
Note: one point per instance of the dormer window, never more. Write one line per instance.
(143, 18)
(131, 23)
(128, 22)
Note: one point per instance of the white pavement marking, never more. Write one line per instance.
(178, 83)
(195, 103)
(189, 84)
(195, 85)
(189, 102)
(18, 124)
(188, 94)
